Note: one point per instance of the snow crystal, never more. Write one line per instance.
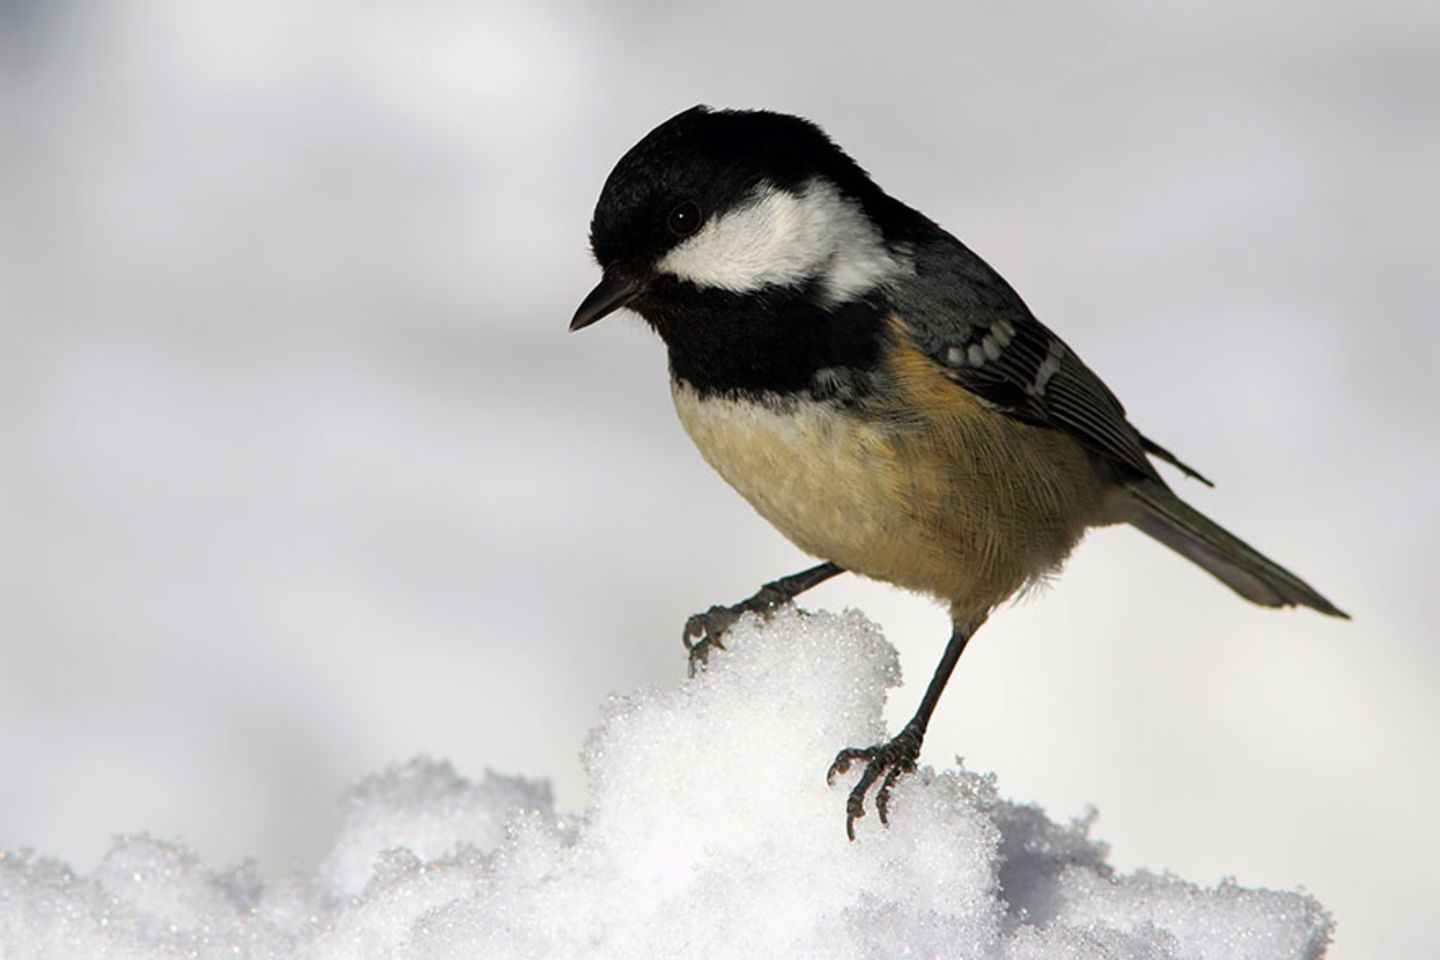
(711, 832)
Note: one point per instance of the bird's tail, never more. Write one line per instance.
(1242, 568)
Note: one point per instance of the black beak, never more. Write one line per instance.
(612, 293)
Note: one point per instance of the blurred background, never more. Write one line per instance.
(301, 475)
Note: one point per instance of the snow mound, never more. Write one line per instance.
(711, 833)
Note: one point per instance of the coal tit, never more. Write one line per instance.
(875, 390)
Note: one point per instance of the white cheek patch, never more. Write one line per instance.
(782, 239)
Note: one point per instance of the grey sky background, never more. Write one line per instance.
(301, 474)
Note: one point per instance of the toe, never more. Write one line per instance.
(882, 796)
(845, 758)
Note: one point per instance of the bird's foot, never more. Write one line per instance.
(704, 630)
(700, 626)
(886, 762)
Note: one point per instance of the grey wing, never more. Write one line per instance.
(965, 316)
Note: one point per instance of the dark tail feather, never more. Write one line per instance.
(1155, 450)
(1239, 566)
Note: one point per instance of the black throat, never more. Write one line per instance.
(781, 341)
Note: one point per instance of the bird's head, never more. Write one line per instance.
(737, 203)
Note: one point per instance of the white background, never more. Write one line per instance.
(300, 473)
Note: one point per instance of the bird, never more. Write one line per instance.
(876, 391)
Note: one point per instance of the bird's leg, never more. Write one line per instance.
(889, 761)
(703, 630)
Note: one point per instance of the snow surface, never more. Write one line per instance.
(711, 832)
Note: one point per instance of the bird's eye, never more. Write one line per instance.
(684, 219)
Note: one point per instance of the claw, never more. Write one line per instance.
(844, 758)
(702, 634)
(700, 652)
(707, 628)
(704, 630)
(893, 760)
(882, 796)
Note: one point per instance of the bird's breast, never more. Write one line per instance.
(821, 476)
